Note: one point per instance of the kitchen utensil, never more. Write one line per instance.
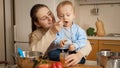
(30, 59)
(20, 52)
(95, 11)
(113, 63)
(102, 57)
(105, 52)
(115, 55)
(108, 59)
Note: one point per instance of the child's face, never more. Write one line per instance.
(44, 17)
(66, 14)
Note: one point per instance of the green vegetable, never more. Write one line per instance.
(90, 31)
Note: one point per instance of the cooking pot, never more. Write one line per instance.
(114, 60)
(108, 59)
(113, 63)
(102, 57)
(115, 55)
(30, 59)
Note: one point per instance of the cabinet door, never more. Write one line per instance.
(113, 45)
(92, 55)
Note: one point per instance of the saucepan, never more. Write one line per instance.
(114, 60)
(30, 59)
(115, 55)
(113, 63)
(108, 59)
(102, 57)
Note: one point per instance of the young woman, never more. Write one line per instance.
(44, 29)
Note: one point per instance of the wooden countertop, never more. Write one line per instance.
(75, 66)
(84, 66)
(103, 38)
(80, 65)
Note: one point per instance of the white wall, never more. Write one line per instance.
(9, 31)
(109, 14)
(22, 17)
(2, 45)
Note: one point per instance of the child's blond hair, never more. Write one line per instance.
(63, 3)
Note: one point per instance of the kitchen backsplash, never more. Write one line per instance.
(109, 14)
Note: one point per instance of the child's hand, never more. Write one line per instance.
(62, 43)
(71, 47)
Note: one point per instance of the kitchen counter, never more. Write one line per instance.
(84, 66)
(91, 62)
(103, 38)
(8, 66)
(76, 66)
(88, 64)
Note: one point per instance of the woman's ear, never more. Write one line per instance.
(37, 24)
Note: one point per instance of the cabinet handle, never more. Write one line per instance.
(111, 44)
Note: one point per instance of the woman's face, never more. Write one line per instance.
(45, 18)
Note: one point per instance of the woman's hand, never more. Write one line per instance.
(73, 59)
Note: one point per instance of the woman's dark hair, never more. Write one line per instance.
(33, 12)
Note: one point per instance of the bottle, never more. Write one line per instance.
(100, 28)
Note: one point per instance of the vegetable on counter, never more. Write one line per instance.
(45, 64)
(91, 31)
(56, 65)
(100, 31)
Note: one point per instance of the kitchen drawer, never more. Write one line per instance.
(113, 45)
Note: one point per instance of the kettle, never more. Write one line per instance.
(100, 28)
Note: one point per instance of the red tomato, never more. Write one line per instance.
(43, 66)
(56, 65)
(53, 65)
